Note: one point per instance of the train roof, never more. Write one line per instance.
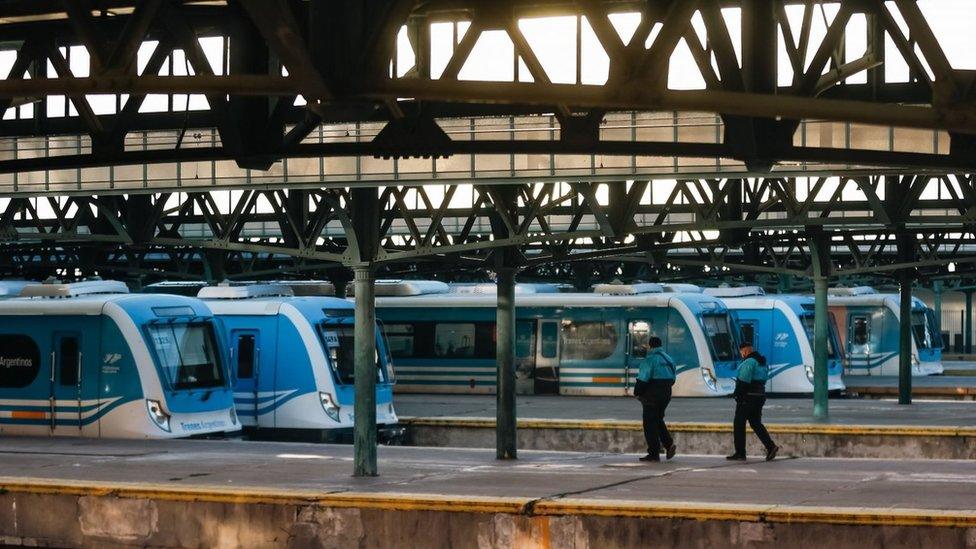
(73, 289)
(875, 300)
(798, 303)
(192, 288)
(490, 288)
(163, 305)
(855, 291)
(266, 306)
(251, 291)
(554, 300)
(395, 287)
(638, 288)
(736, 291)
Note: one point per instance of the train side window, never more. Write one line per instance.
(68, 357)
(524, 338)
(485, 338)
(549, 340)
(860, 335)
(20, 361)
(640, 335)
(400, 340)
(588, 340)
(245, 357)
(719, 331)
(835, 330)
(454, 340)
(748, 332)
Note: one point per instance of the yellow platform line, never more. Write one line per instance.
(699, 427)
(866, 516)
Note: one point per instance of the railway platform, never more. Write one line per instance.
(857, 428)
(959, 383)
(212, 493)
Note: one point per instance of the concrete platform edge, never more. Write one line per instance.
(699, 427)
(859, 516)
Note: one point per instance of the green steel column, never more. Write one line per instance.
(905, 340)
(364, 422)
(968, 322)
(505, 436)
(820, 335)
(937, 309)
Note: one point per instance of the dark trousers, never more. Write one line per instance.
(655, 401)
(749, 409)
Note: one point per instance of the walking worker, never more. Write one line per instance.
(653, 388)
(750, 396)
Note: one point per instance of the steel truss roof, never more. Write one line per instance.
(338, 56)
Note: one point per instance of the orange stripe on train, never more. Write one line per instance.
(26, 414)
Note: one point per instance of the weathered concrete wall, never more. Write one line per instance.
(840, 442)
(108, 520)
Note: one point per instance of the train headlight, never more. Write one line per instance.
(709, 378)
(157, 415)
(809, 370)
(233, 415)
(330, 406)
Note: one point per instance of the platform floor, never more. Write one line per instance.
(324, 470)
(957, 387)
(960, 367)
(698, 410)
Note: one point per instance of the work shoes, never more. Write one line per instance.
(670, 451)
(736, 457)
(771, 453)
(650, 457)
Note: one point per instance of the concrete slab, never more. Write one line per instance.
(325, 469)
(789, 411)
(233, 493)
(960, 368)
(955, 387)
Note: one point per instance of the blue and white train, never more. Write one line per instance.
(868, 324)
(566, 343)
(89, 360)
(781, 329)
(292, 360)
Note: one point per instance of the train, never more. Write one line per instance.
(868, 325)
(88, 359)
(292, 358)
(566, 343)
(276, 359)
(780, 326)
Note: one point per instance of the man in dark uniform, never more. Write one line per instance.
(750, 396)
(654, 380)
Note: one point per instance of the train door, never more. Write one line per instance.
(638, 335)
(66, 380)
(859, 341)
(547, 358)
(244, 345)
(525, 356)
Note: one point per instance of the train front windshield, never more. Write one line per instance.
(719, 332)
(340, 347)
(187, 354)
(923, 327)
(809, 321)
